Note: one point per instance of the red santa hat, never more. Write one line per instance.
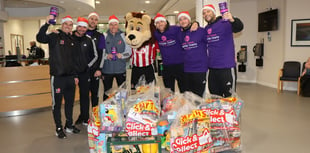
(93, 13)
(159, 17)
(82, 22)
(113, 18)
(209, 7)
(66, 18)
(184, 14)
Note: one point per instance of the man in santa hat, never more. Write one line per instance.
(85, 57)
(95, 70)
(62, 71)
(221, 49)
(195, 55)
(117, 52)
(171, 51)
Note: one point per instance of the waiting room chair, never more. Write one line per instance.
(291, 73)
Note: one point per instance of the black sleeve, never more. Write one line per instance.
(93, 53)
(237, 25)
(42, 37)
(99, 63)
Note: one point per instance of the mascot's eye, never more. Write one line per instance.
(131, 28)
(138, 29)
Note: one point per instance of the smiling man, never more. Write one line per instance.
(195, 55)
(117, 52)
(221, 49)
(171, 52)
(95, 70)
(85, 57)
(62, 71)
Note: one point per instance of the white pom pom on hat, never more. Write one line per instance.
(66, 18)
(184, 14)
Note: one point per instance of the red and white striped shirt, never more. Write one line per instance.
(144, 56)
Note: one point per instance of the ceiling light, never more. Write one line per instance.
(176, 12)
(61, 2)
(97, 2)
(143, 11)
(147, 2)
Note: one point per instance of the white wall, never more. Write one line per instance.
(274, 49)
(27, 28)
(278, 49)
(11, 27)
(32, 27)
(246, 12)
(297, 9)
(2, 39)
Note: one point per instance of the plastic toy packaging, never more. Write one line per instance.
(143, 113)
(120, 94)
(163, 128)
(167, 99)
(96, 140)
(111, 116)
(141, 86)
(93, 133)
(121, 98)
(190, 128)
(225, 123)
(95, 118)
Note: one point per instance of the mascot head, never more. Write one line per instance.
(139, 29)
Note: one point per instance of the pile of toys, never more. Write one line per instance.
(183, 122)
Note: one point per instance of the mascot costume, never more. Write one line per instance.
(139, 35)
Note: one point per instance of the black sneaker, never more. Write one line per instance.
(73, 129)
(78, 121)
(60, 133)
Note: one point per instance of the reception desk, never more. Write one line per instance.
(25, 90)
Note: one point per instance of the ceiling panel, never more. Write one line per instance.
(121, 7)
(23, 4)
(108, 7)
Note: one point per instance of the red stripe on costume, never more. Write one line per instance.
(144, 56)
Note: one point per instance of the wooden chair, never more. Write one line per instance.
(291, 73)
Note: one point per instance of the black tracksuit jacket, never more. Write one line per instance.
(85, 53)
(61, 51)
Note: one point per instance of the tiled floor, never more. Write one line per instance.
(271, 123)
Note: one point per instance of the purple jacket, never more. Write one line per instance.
(195, 50)
(169, 45)
(220, 42)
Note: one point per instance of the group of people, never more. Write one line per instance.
(195, 56)
(83, 56)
